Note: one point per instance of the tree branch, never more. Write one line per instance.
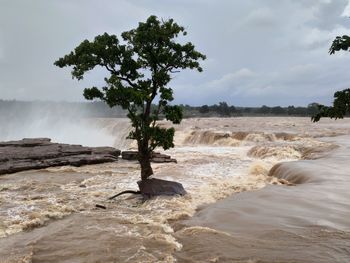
(157, 114)
(115, 73)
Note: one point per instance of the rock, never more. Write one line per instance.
(159, 155)
(154, 187)
(103, 150)
(38, 153)
(130, 155)
(27, 142)
(163, 160)
(155, 158)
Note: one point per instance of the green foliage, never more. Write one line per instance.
(341, 103)
(278, 110)
(265, 109)
(173, 113)
(341, 107)
(140, 69)
(204, 109)
(313, 109)
(340, 43)
(162, 137)
(223, 109)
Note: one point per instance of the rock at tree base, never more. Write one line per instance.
(156, 157)
(38, 153)
(153, 187)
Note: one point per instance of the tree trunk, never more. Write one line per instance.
(143, 145)
(146, 169)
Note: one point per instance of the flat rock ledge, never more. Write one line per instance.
(156, 157)
(39, 153)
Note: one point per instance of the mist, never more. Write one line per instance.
(63, 122)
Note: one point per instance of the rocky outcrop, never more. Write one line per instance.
(38, 153)
(162, 158)
(156, 157)
(154, 187)
(130, 155)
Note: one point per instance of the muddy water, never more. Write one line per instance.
(50, 215)
(306, 222)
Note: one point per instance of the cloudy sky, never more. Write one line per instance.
(272, 52)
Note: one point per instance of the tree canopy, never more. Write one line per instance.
(341, 103)
(140, 67)
(340, 43)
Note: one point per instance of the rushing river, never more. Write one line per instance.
(237, 209)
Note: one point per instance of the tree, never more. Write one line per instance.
(278, 110)
(264, 109)
(233, 110)
(341, 103)
(204, 109)
(223, 109)
(291, 110)
(340, 43)
(312, 109)
(139, 69)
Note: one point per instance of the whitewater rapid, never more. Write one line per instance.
(43, 214)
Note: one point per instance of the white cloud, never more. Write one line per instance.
(232, 78)
(262, 17)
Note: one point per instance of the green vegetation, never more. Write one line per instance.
(223, 109)
(139, 70)
(99, 109)
(341, 103)
(340, 108)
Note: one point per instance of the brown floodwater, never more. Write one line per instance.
(237, 209)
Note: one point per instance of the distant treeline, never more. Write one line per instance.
(223, 109)
(101, 110)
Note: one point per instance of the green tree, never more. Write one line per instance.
(139, 71)
(312, 109)
(341, 103)
(291, 110)
(278, 110)
(223, 109)
(264, 109)
(204, 109)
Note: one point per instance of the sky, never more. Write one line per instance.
(259, 52)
